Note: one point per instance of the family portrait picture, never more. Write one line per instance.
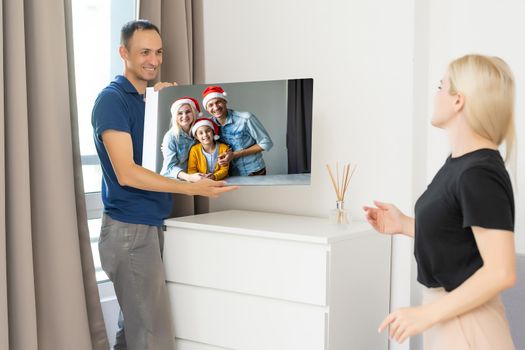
(248, 133)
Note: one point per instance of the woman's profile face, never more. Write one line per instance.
(185, 117)
(443, 103)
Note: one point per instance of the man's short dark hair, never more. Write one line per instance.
(129, 28)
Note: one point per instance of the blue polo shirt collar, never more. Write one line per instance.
(126, 84)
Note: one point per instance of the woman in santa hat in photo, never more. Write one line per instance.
(178, 140)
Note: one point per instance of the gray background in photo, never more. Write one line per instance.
(266, 99)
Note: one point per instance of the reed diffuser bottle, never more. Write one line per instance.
(339, 215)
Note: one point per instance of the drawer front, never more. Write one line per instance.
(275, 268)
(244, 322)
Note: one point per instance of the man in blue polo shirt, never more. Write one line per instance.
(136, 200)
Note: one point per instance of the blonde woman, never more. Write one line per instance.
(464, 221)
(178, 140)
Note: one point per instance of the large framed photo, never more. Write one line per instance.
(275, 116)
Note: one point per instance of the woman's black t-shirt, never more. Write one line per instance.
(471, 190)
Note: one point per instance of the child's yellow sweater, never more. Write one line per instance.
(197, 162)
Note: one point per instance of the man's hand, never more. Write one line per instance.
(162, 84)
(209, 188)
(225, 158)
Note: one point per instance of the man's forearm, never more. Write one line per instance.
(247, 151)
(141, 178)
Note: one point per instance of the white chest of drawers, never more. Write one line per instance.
(261, 281)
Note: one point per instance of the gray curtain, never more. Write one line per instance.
(180, 23)
(299, 126)
(48, 292)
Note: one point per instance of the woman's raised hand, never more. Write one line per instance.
(385, 218)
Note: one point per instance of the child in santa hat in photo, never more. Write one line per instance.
(203, 157)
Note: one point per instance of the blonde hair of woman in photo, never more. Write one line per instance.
(464, 221)
(183, 111)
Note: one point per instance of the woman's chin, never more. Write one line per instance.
(436, 122)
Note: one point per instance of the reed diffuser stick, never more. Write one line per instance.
(332, 178)
(349, 177)
(338, 188)
(344, 182)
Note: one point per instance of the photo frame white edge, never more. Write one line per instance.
(149, 153)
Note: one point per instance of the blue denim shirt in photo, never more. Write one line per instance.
(242, 130)
(175, 153)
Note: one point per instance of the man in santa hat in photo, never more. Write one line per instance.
(242, 131)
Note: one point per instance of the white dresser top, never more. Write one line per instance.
(271, 225)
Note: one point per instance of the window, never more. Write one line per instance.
(96, 37)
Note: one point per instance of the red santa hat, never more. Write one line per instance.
(186, 100)
(206, 122)
(212, 92)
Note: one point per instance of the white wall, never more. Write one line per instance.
(447, 29)
(487, 27)
(376, 65)
(360, 55)
(420, 125)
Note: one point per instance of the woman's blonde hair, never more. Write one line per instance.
(487, 85)
(174, 125)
